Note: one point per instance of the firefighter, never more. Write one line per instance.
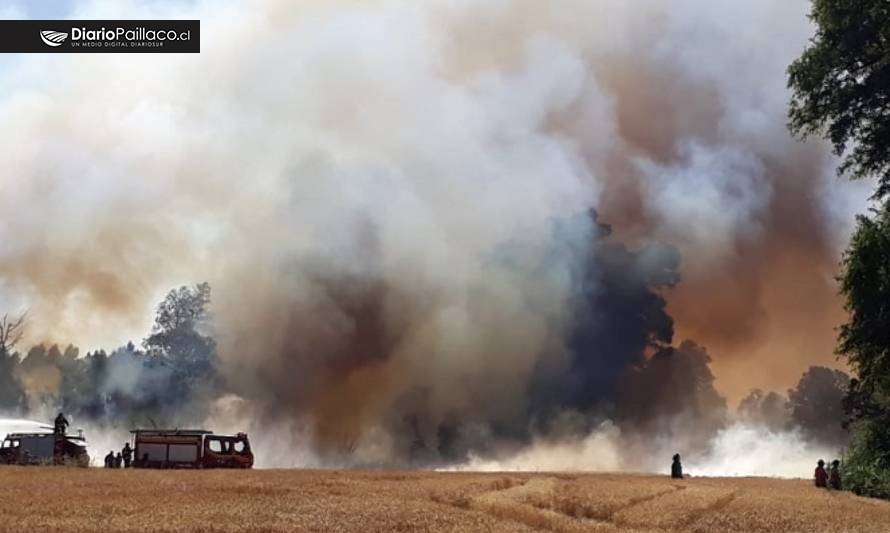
(127, 454)
(821, 478)
(109, 460)
(676, 467)
(834, 475)
(118, 460)
(61, 425)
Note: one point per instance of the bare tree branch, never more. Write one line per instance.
(11, 331)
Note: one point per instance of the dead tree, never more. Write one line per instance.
(11, 331)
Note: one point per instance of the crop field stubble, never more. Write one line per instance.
(72, 499)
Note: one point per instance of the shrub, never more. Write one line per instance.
(866, 467)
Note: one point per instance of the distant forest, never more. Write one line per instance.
(163, 378)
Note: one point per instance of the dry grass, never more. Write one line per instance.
(68, 499)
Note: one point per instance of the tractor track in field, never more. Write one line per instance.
(505, 503)
(717, 506)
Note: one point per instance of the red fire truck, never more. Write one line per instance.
(190, 448)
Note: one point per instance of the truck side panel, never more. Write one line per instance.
(172, 451)
(40, 448)
(183, 453)
(156, 452)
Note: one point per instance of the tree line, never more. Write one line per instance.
(841, 91)
(162, 379)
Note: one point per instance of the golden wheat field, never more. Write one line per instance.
(70, 499)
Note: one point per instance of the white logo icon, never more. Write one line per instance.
(53, 38)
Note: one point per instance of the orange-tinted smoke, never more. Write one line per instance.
(769, 309)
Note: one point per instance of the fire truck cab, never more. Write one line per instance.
(190, 448)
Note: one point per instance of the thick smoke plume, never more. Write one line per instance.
(435, 230)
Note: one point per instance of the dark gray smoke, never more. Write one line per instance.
(347, 379)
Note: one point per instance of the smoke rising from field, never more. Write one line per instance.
(738, 450)
(402, 210)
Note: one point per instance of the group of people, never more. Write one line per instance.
(124, 458)
(830, 479)
(827, 480)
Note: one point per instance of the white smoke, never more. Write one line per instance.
(282, 445)
(743, 450)
(738, 450)
(598, 452)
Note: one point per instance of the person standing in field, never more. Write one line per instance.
(127, 454)
(821, 477)
(834, 475)
(109, 460)
(676, 467)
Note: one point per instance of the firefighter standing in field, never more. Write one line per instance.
(109, 460)
(821, 478)
(834, 475)
(676, 467)
(127, 454)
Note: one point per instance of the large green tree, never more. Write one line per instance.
(178, 339)
(816, 405)
(865, 342)
(841, 85)
(841, 90)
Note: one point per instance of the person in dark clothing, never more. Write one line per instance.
(109, 460)
(127, 454)
(118, 460)
(834, 475)
(821, 478)
(676, 467)
(61, 425)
